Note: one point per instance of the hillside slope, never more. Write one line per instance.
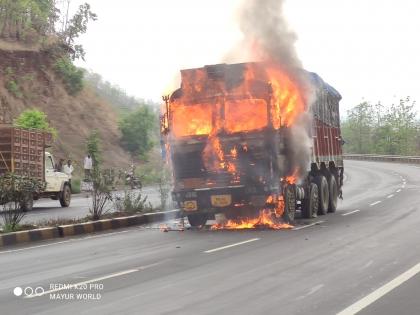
(38, 86)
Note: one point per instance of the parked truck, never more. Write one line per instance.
(230, 148)
(23, 153)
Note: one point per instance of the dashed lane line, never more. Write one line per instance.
(79, 284)
(231, 245)
(375, 203)
(351, 212)
(306, 226)
(390, 196)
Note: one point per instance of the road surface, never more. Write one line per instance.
(363, 258)
(47, 209)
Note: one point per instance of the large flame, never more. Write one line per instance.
(240, 114)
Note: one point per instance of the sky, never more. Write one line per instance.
(369, 50)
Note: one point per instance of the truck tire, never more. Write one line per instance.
(65, 196)
(289, 204)
(198, 219)
(28, 203)
(311, 203)
(333, 198)
(323, 193)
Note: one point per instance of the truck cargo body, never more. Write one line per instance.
(22, 151)
(257, 163)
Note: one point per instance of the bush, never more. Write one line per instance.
(131, 202)
(34, 119)
(13, 88)
(71, 75)
(75, 186)
(14, 193)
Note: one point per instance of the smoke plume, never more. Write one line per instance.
(268, 38)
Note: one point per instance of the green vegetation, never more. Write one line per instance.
(13, 88)
(27, 20)
(75, 27)
(42, 22)
(15, 193)
(137, 130)
(93, 147)
(34, 119)
(132, 202)
(75, 185)
(71, 75)
(393, 130)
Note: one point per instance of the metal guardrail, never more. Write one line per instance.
(384, 158)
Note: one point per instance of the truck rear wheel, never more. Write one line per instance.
(324, 195)
(198, 219)
(27, 203)
(289, 204)
(333, 189)
(65, 196)
(311, 203)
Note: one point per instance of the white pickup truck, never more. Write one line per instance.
(57, 186)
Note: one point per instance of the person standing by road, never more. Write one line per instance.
(87, 165)
(68, 170)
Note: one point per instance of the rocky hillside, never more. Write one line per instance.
(28, 80)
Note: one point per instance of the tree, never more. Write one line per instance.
(20, 18)
(93, 148)
(76, 27)
(357, 129)
(34, 119)
(382, 129)
(137, 130)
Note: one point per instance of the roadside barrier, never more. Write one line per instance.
(384, 158)
(15, 238)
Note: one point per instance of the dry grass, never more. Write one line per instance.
(73, 116)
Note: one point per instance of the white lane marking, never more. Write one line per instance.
(311, 291)
(390, 196)
(398, 190)
(62, 242)
(375, 203)
(75, 285)
(351, 212)
(306, 226)
(231, 245)
(380, 292)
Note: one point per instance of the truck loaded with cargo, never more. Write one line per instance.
(243, 137)
(23, 153)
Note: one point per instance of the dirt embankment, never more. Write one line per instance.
(36, 85)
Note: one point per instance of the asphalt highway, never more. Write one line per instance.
(47, 209)
(364, 258)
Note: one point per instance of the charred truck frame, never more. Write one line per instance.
(230, 155)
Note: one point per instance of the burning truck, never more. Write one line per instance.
(245, 140)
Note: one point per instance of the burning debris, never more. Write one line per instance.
(263, 221)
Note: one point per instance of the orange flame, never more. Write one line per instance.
(288, 102)
(264, 220)
(292, 179)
